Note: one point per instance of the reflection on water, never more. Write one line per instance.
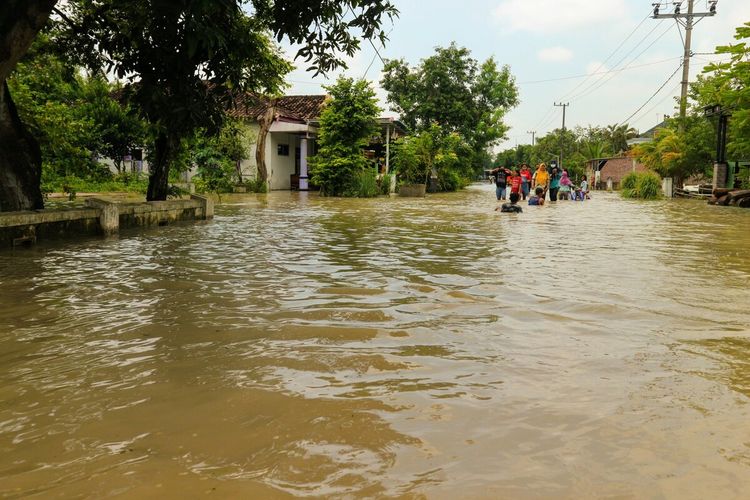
(299, 346)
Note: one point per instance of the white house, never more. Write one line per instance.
(291, 131)
(292, 124)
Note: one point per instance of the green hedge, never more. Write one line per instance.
(641, 185)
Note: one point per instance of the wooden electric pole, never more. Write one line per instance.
(562, 135)
(687, 22)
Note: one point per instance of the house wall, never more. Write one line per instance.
(280, 168)
(615, 169)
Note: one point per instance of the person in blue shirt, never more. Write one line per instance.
(538, 198)
(554, 184)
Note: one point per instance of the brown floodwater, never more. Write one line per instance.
(301, 346)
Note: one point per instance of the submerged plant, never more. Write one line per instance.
(641, 185)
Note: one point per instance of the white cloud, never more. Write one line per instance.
(554, 54)
(555, 16)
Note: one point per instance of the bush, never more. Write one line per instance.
(385, 184)
(450, 180)
(364, 184)
(641, 185)
(256, 186)
(629, 181)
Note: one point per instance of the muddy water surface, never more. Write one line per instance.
(298, 346)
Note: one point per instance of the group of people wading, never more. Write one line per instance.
(520, 182)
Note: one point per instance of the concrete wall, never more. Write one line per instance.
(280, 168)
(100, 217)
(22, 228)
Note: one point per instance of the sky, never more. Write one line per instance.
(559, 52)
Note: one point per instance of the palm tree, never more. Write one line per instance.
(593, 149)
(618, 136)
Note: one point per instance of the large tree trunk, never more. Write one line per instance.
(20, 159)
(166, 148)
(265, 121)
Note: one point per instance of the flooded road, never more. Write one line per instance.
(299, 346)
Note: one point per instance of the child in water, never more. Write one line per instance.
(511, 207)
(538, 198)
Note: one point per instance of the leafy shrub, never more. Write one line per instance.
(629, 181)
(641, 185)
(450, 180)
(364, 184)
(385, 184)
(256, 186)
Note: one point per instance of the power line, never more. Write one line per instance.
(602, 82)
(529, 82)
(658, 103)
(688, 23)
(601, 65)
(550, 111)
(653, 95)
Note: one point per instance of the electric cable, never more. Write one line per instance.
(529, 82)
(652, 96)
(601, 65)
(602, 82)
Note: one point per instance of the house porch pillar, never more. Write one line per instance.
(303, 184)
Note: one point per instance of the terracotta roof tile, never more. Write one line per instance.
(294, 107)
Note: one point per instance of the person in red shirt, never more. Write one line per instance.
(515, 182)
(525, 180)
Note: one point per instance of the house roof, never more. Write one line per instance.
(307, 107)
(291, 107)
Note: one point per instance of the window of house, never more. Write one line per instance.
(283, 149)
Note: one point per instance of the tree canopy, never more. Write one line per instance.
(185, 60)
(455, 91)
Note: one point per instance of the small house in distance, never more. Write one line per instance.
(607, 173)
(286, 127)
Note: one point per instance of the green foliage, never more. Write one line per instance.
(119, 129)
(450, 180)
(121, 183)
(256, 186)
(641, 185)
(364, 185)
(453, 89)
(384, 184)
(187, 58)
(617, 137)
(433, 150)
(48, 95)
(679, 153)
(346, 124)
(75, 119)
(216, 158)
(729, 86)
(407, 163)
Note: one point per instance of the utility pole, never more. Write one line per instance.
(533, 136)
(687, 22)
(562, 136)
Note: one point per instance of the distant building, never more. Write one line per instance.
(648, 135)
(292, 137)
(607, 173)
